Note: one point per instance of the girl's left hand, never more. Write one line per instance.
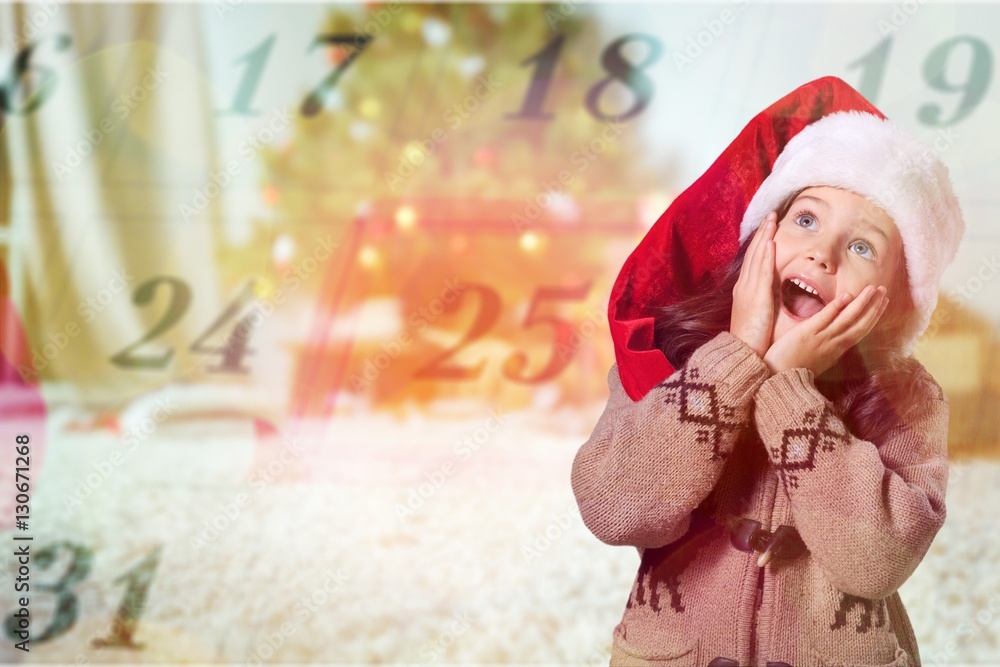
(818, 342)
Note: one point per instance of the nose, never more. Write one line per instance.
(821, 256)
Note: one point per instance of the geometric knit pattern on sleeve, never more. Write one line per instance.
(723, 439)
(649, 463)
(868, 513)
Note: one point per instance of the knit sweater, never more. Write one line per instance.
(724, 438)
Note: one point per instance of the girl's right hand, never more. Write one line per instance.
(752, 319)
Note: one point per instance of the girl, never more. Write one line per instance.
(769, 446)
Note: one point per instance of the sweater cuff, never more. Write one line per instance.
(783, 396)
(740, 369)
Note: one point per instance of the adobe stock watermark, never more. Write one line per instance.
(229, 512)
(123, 105)
(378, 21)
(650, 269)
(582, 333)
(33, 24)
(970, 627)
(562, 12)
(551, 533)
(704, 39)
(105, 468)
(899, 16)
(413, 158)
(100, 637)
(961, 294)
(434, 649)
(223, 7)
(582, 157)
(956, 471)
(902, 180)
(89, 308)
(264, 306)
(265, 649)
(220, 180)
(421, 318)
(600, 656)
(463, 450)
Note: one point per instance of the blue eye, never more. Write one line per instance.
(864, 245)
(805, 213)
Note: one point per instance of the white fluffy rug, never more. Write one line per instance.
(489, 562)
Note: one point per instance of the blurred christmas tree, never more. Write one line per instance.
(486, 144)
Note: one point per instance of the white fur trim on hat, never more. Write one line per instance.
(884, 163)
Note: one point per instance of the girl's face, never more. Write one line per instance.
(837, 241)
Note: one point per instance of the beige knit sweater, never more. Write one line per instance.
(722, 438)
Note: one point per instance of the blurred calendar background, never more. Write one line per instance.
(304, 309)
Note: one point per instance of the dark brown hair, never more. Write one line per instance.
(875, 382)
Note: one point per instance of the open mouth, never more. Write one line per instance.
(799, 303)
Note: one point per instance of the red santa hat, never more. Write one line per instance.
(822, 133)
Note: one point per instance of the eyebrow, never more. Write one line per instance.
(864, 225)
